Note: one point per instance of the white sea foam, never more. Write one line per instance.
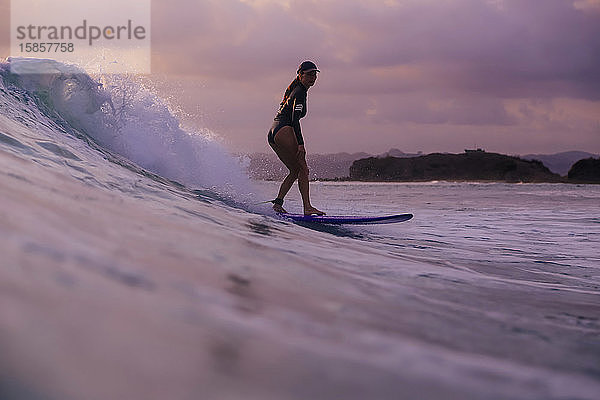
(121, 115)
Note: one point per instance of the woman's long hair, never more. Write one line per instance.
(289, 90)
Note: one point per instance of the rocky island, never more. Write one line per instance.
(473, 165)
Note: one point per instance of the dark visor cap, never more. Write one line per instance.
(308, 66)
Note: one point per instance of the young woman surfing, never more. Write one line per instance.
(285, 137)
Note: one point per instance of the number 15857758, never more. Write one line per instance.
(48, 47)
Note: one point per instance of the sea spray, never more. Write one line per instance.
(123, 116)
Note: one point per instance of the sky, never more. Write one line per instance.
(509, 76)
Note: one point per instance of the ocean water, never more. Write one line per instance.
(136, 264)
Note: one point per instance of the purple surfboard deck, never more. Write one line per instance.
(346, 220)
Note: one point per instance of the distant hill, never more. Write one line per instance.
(469, 166)
(399, 154)
(559, 163)
(587, 170)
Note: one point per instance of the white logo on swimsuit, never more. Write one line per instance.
(298, 107)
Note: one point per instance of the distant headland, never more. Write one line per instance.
(585, 171)
(472, 165)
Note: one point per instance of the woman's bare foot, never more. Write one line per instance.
(279, 209)
(312, 211)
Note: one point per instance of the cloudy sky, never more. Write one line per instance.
(511, 76)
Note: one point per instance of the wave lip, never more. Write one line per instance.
(121, 115)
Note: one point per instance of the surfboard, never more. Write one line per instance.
(347, 219)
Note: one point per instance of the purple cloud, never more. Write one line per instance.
(508, 48)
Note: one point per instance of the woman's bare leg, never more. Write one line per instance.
(286, 148)
(304, 186)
